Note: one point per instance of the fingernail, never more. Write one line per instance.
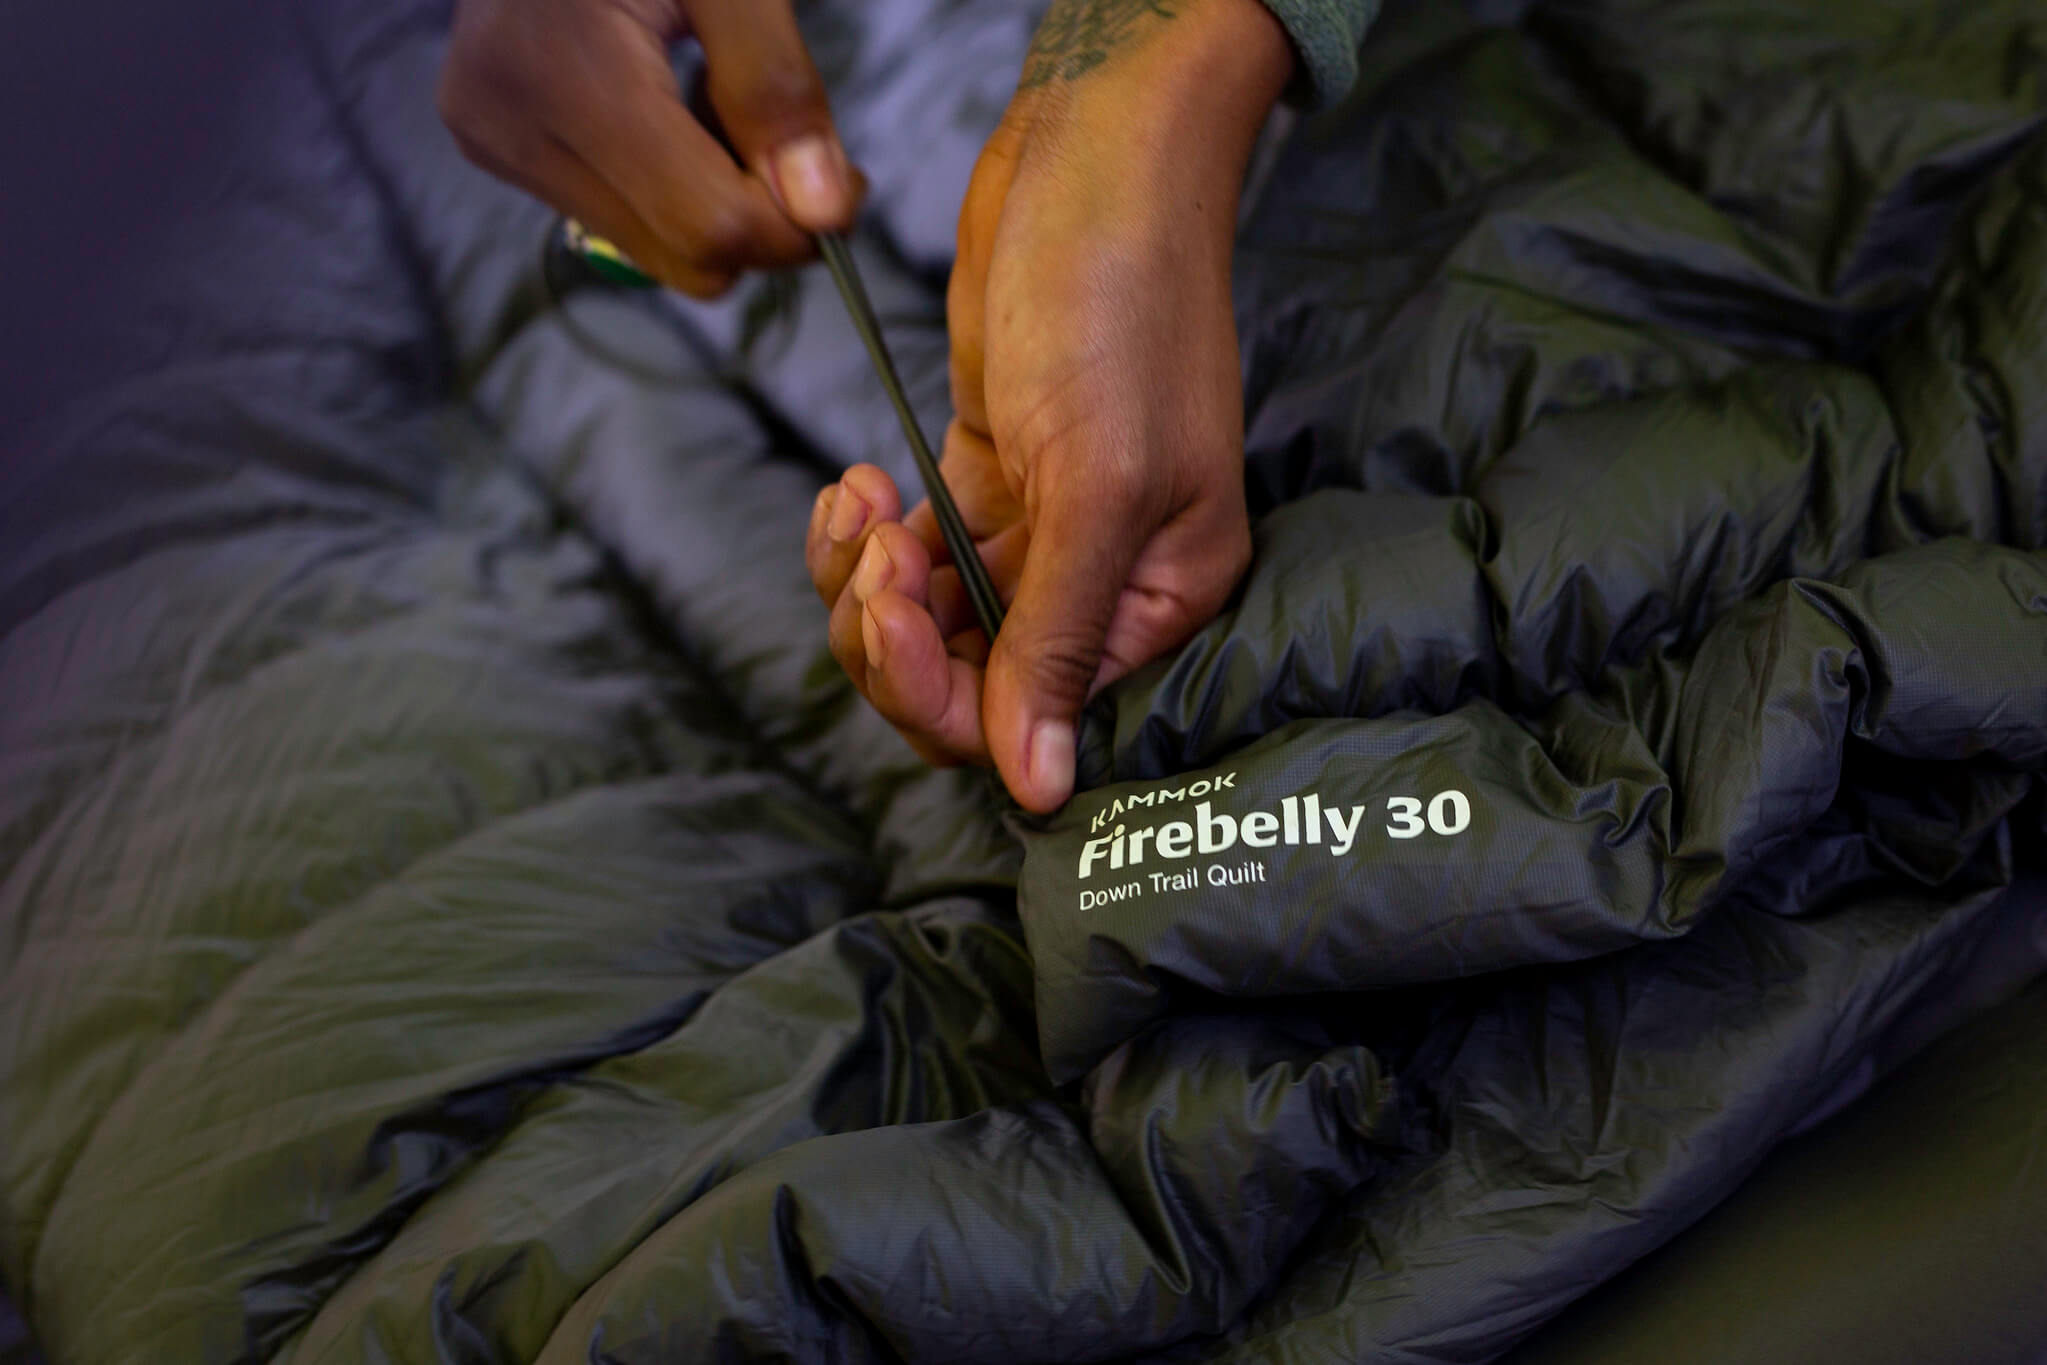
(873, 572)
(849, 515)
(871, 637)
(1051, 757)
(811, 180)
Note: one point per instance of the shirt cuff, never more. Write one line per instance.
(1325, 34)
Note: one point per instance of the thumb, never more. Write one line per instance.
(1049, 651)
(772, 105)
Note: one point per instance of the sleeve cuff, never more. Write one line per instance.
(1325, 34)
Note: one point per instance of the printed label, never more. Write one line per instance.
(1298, 820)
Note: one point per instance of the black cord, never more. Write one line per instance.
(952, 526)
(563, 270)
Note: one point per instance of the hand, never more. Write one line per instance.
(1097, 447)
(576, 101)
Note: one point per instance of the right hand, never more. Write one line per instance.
(1097, 444)
(576, 102)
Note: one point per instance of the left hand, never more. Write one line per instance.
(1097, 447)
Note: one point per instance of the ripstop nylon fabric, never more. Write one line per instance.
(452, 908)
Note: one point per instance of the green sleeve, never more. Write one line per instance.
(1326, 35)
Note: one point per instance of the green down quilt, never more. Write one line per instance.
(452, 909)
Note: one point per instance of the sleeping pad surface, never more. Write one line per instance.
(453, 909)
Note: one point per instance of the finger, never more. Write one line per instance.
(927, 693)
(1145, 625)
(772, 106)
(558, 177)
(483, 100)
(589, 117)
(973, 476)
(890, 557)
(1050, 650)
(971, 646)
(618, 105)
(890, 646)
(1003, 555)
(1181, 582)
(893, 559)
(862, 499)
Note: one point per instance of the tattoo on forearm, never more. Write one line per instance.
(1078, 35)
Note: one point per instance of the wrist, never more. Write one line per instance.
(1226, 66)
(1164, 105)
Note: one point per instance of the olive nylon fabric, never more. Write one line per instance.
(1804, 1264)
(453, 908)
